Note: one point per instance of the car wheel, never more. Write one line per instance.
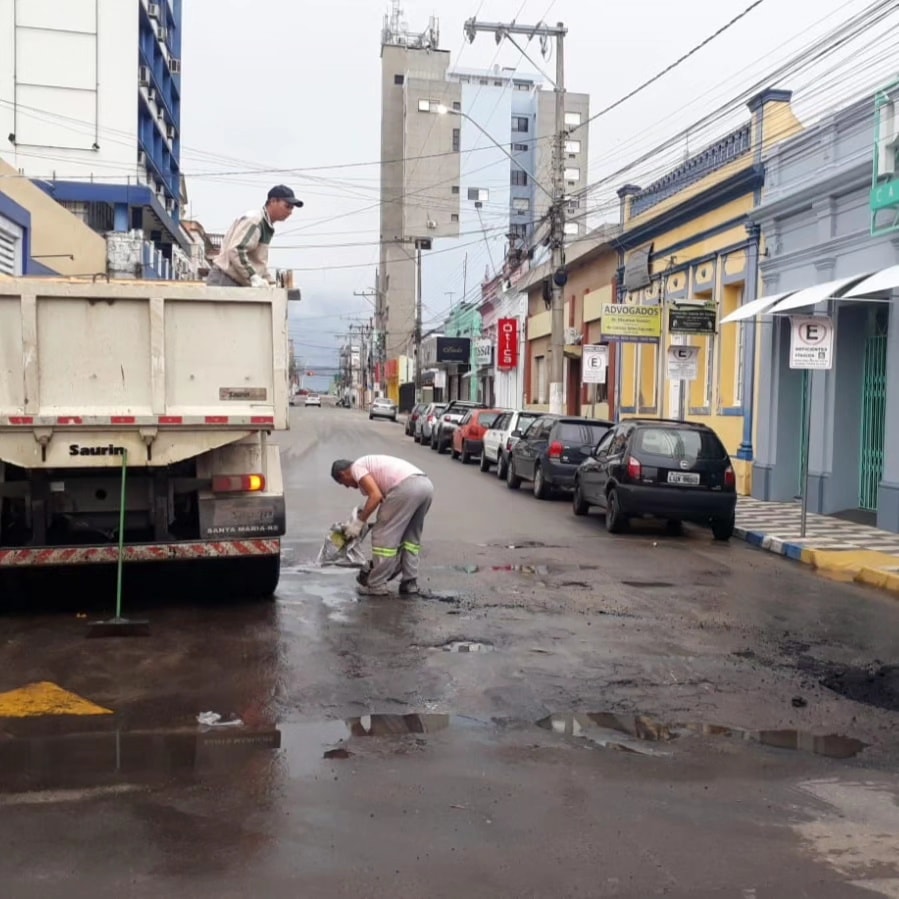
(502, 467)
(674, 527)
(578, 504)
(433, 443)
(465, 456)
(615, 521)
(485, 462)
(542, 490)
(723, 528)
(371, 418)
(453, 453)
(513, 482)
(441, 445)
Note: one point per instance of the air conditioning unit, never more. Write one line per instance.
(143, 76)
(141, 157)
(175, 66)
(163, 34)
(170, 132)
(151, 95)
(153, 10)
(573, 336)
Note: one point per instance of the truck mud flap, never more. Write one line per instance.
(238, 517)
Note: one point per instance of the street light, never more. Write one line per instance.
(441, 109)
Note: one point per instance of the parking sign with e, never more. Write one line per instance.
(811, 341)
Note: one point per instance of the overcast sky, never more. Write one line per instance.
(280, 84)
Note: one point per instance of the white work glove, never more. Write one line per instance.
(352, 529)
(257, 281)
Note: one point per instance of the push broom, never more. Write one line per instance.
(119, 626)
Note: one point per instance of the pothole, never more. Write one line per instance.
(466, 646)
(647, 584)
(629, 733)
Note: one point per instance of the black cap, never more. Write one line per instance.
(282, 192)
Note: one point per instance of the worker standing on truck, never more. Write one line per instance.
(243, 258)
(401, 494)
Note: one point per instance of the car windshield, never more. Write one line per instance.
(581, 433)
(679, 443)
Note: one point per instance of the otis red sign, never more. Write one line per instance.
(506, 344)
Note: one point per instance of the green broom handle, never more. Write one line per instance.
(118, 589)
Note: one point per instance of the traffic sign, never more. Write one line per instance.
(811, 342)
(595, 364)
(683, 363)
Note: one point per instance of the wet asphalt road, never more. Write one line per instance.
(634, 716)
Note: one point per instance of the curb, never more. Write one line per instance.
(874, 569)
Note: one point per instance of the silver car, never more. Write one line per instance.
(382, 408)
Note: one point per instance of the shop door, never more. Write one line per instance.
(874, 393)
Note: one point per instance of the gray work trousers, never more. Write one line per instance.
(396, 536)
(217, 278)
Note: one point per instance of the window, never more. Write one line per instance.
(518, 230)
(399, 79)
(519, 148)
(457, 104)
(457, 139)
(497, 84)
(572, 118)
(520, 124)
(572, 146)
(576, 434)
(454, 217)
(519, 178)
(424, 105)
(572, 174)
(480, 194)
(454, 189)
(521, 204)
(522, 86)
(540, 378)
(10, 248)
(679, 443)
(572, 228)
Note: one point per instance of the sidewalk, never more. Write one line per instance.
(839, 549)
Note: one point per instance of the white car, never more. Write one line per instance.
(498, 440)
(313, 399)
(382, 408)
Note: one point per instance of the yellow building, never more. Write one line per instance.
(689, 249)
(40, 237)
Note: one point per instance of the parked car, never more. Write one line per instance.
(442, 432)
(468, 438)
(426, 421)
(551, 450)
(382, 407)
(498, 439)
(412, 417)
(673, 470)
(313, 399)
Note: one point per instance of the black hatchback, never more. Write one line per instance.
(550, 450)
(656, 468)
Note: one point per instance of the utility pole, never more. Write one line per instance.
(416, 337)
(557, 207)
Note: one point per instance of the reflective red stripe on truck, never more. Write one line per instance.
(145, 552)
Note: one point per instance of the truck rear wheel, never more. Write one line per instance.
(259, 576)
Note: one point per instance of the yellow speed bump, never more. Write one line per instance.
(45, 698)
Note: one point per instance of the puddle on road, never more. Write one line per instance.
(628, 733)
(543, 570)
(647, 584)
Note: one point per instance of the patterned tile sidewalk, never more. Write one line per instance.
(840, 549)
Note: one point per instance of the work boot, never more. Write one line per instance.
(378, 590)
(409, 587)
(362, 576)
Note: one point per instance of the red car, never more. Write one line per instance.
(468, 438)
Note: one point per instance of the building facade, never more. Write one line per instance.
(93, 115)
(817, 223)
(689, 257)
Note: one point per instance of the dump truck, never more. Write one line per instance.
(183, 385)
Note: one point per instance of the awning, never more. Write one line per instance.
(755, 307)
(886, 279)
(811, 296)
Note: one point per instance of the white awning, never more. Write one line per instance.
(885, 279)
(755, 307)
(813, 295)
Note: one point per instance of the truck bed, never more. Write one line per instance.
(161, 369)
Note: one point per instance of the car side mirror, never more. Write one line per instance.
(515, 433)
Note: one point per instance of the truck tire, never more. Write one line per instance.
(259, 576)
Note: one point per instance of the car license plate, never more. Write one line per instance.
(687, 478)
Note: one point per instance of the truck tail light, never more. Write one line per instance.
(634, 469)
(555, 450)
(730, 479)
(238, 483)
